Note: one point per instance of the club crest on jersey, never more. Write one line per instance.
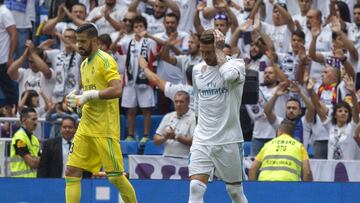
(203, 69)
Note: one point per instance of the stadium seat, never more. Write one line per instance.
(139, 126)
(123, 126)
(152, 149)
(247, 148)
(129, 147)
(47, 129)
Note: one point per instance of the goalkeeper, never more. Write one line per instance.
(97, 139)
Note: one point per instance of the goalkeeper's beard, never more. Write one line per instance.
(86, 52)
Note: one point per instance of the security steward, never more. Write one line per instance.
(282, 159)
(25, 147)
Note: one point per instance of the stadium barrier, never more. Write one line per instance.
(160, 167)
(177, 191)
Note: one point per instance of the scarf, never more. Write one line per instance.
(132, 63)
(331, 87)
(62, 85)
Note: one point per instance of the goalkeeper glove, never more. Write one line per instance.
(74, 100)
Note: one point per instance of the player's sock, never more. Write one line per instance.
(123, 185)
(236, 193)
(73, 189)
(197, 191)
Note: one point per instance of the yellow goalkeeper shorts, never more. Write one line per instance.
(92, 153)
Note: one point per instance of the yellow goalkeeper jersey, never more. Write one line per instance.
(100, 117)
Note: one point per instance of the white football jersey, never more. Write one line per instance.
(217, 94)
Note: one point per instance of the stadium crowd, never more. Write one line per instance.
(306, 53)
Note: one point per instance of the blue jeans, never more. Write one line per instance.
(257, 144)
(23, 35)
(9, 87)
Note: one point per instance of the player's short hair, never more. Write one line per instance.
(299, 33)
(106, 39)
(70, 119)
(25, 112)
(89, 28)
(207, 37)
(139, 19)
(287, 126)
(172, 15)
(356, 6)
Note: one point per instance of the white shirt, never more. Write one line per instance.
(354, 34)
(6, 20)
(65, 154)
(103, 26)
(183, 126)
(341, 143)
(65, 75)
(23, 19)
(280, 35)
(135, 52)
(185, 61)
(167, 71)
(121, 50)
(155, 25)
(218, 93)
(187, 10)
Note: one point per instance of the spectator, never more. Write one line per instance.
(156, 19)
(107, 17)
(77, 17)
(300, 18)
(293, 111)
(224, 20)
(59, 111)
(168, 71)
(341, 124)
(25, 147)
(353, 28)
(8, 37)
(24, 16)
(8, 128)
(137, 90)
(281, 29)
(177, 128)
(121, 39)
(55, 152)
(282, 159)
(36, 76)
(65, 66)
(263, 131)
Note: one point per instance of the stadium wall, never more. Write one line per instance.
(176, 191)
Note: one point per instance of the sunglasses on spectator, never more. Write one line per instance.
(221, 16)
